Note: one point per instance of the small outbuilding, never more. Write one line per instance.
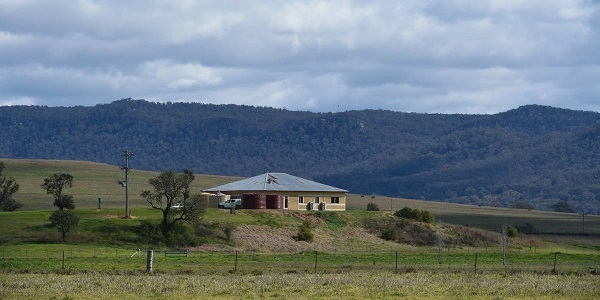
(283, 191)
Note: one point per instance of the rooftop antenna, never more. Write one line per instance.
(125, 183)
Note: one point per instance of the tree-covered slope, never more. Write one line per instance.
(533, 154)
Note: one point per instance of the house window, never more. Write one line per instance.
(317, 199)
(286, 202)
(335, 199)
(300, 199)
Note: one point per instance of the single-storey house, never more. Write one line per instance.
(295, 193)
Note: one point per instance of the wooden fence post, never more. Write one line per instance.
(315, 261)
(396, 270)
(149, 259)
(236, 262)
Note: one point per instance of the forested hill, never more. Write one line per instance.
(533, 154)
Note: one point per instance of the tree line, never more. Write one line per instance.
(533, 154)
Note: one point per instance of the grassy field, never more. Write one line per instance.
(48, 258)
(91, 181)
(420, 285)
(489, 218)
(94, 180)
(101, 259)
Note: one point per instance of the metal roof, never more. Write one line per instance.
(275, 182)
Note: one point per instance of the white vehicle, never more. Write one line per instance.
(237, 203)
(177, 205)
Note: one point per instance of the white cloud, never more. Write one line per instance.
(18, 101)
(178, 76)
(320, 17)
(424, 56)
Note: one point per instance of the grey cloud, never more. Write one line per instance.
(436, 56)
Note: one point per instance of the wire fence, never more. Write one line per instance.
(183, 261)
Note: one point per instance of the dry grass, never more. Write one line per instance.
(417, 285)
(489, 218)
(91, 181)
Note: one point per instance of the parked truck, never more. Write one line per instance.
(237, 203)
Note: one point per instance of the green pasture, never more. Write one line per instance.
(106, 226)
(95, 180)
(105, 242)
(65, 258)
(104, 256)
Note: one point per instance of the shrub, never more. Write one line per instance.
(527, 228)
(406, 212)
(390, 234)
(151, 232)
(182, 234)
(372, 207)
(415, 214)
(305, 232)
(511, 231)
(10, 205)
(426, 216)
(228, 229)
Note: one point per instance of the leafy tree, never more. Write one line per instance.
(8, 187)
(563, 206)
(64, 221)
(372, 207)
(55, 186)
(171, 188)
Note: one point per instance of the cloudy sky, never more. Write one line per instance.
(433, 56)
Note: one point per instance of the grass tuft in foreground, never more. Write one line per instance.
(418, 285)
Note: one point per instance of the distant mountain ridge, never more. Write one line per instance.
(534, 154)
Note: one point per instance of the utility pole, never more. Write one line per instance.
(127, 154)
